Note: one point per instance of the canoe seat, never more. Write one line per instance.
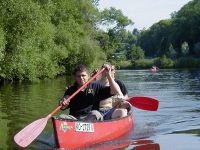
(65, 116)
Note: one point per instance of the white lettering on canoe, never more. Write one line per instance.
(84, 127)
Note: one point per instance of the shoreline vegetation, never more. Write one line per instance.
(162, 63)
(45, 39)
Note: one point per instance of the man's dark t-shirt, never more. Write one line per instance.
(88, 99)
(122, 86)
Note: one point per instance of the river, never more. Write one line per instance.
(175, 125)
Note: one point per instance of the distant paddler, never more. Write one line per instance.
(154, 68)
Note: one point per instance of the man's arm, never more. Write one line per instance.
(114, 87)
(122, 87)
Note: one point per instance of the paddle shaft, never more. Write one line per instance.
(74, 94)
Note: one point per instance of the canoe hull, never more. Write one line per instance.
(78, 134)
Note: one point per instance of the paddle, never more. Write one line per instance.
(145, 103)
(30, 132)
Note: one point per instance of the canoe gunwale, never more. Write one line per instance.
(94, 121)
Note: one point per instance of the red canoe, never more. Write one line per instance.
(73, 134)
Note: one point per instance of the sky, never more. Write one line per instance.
(144, 13)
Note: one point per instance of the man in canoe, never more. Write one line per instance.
(115, 106)
(103, 80)
(120, 83)
(86, 102)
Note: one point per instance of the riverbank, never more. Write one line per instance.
(161, 62)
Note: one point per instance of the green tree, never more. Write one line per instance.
(114, 17)
(184, 49)
(136, 53)
(171, 52)
(197, 48)
(183, 26)
(154, 41)
(118, 39)
(38, 38)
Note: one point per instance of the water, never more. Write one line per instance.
(176, 124)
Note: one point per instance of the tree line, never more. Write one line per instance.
(46, 38)
(176, 38)
(170, 43)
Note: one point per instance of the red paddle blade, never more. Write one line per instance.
(145, 103)
(30, 132)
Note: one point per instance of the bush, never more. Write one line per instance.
(187, 63)
(123, 64)
(164, 62)
(143, 63)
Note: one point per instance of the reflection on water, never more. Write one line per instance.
(174, 126)
(178, 142)
(131, 144)
(123, 144)
(45, 141)
(193, 131)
